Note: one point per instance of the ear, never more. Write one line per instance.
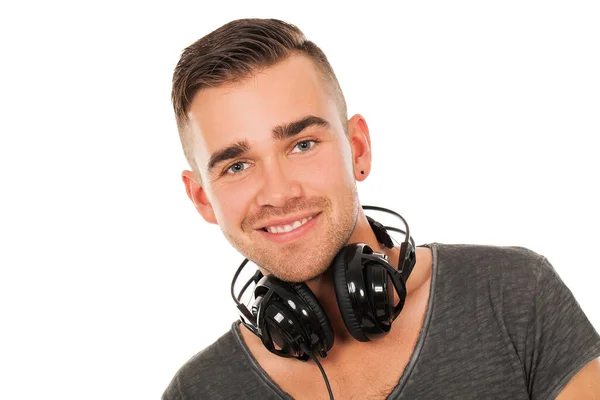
(197, 195)
(360, 142)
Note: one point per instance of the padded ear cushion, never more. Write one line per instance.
(343, 297)
(309, 298)
(383, 302)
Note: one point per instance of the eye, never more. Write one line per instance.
(304, 146)
(237, 168)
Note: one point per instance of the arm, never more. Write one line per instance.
(562, 346)
(584, 385)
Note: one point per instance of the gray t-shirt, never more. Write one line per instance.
(500, 324)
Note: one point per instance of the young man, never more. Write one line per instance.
(275, 162)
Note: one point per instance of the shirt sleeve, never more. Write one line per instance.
(560, 338)
(172, 392)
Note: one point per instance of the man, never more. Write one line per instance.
(275, 162)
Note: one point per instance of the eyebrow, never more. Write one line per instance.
(285, 131)
(235, 150)
(280, 132)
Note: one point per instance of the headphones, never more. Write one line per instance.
(289, 320)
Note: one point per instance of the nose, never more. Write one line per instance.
(278, 185)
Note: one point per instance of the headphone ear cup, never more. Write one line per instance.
(382, 300)
(277, 335)
(309, 298)
(340, 284)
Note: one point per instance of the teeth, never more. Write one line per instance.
(288, 228)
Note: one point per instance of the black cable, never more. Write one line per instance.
(320, 367)
(391, 228)
(250, 281)
(375, 208)
(235, 279)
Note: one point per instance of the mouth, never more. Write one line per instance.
(285, 228)
(291, 230)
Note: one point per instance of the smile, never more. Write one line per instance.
(288, 227)
(290, 230)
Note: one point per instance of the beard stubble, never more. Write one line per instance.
(310, 256)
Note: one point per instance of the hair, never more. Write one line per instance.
(234, 52)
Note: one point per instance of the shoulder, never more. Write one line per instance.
(486, 253)
(512, 263)
(497, 281)
(209, 370)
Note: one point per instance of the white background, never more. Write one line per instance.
(484, 119)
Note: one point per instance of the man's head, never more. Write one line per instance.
(234, 52)
(263, 124)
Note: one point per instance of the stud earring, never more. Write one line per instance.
(362, 172)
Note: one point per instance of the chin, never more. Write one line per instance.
(298, 273)
(296, 278)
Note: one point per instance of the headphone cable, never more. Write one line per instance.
(320, 367)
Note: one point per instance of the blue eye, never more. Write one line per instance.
(304, 146)
(236, 168)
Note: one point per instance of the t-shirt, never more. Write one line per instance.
(500, 324)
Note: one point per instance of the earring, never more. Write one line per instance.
(362, 172)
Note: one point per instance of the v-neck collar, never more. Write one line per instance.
(395, 393)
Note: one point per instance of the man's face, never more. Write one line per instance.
(277, 168)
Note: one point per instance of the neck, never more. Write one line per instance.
(323, 287)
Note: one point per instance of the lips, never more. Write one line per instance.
(284, 228)
(290, 230)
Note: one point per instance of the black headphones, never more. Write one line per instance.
(289, 320)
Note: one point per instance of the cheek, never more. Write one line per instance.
(230, 203)
(328, 173)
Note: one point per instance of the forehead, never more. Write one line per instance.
(248, 110)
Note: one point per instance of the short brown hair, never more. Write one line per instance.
(236, 51)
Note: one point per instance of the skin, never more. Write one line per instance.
(284, 177)
(584, 385)
(280, 179)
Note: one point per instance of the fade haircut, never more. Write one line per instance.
(234, 52)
